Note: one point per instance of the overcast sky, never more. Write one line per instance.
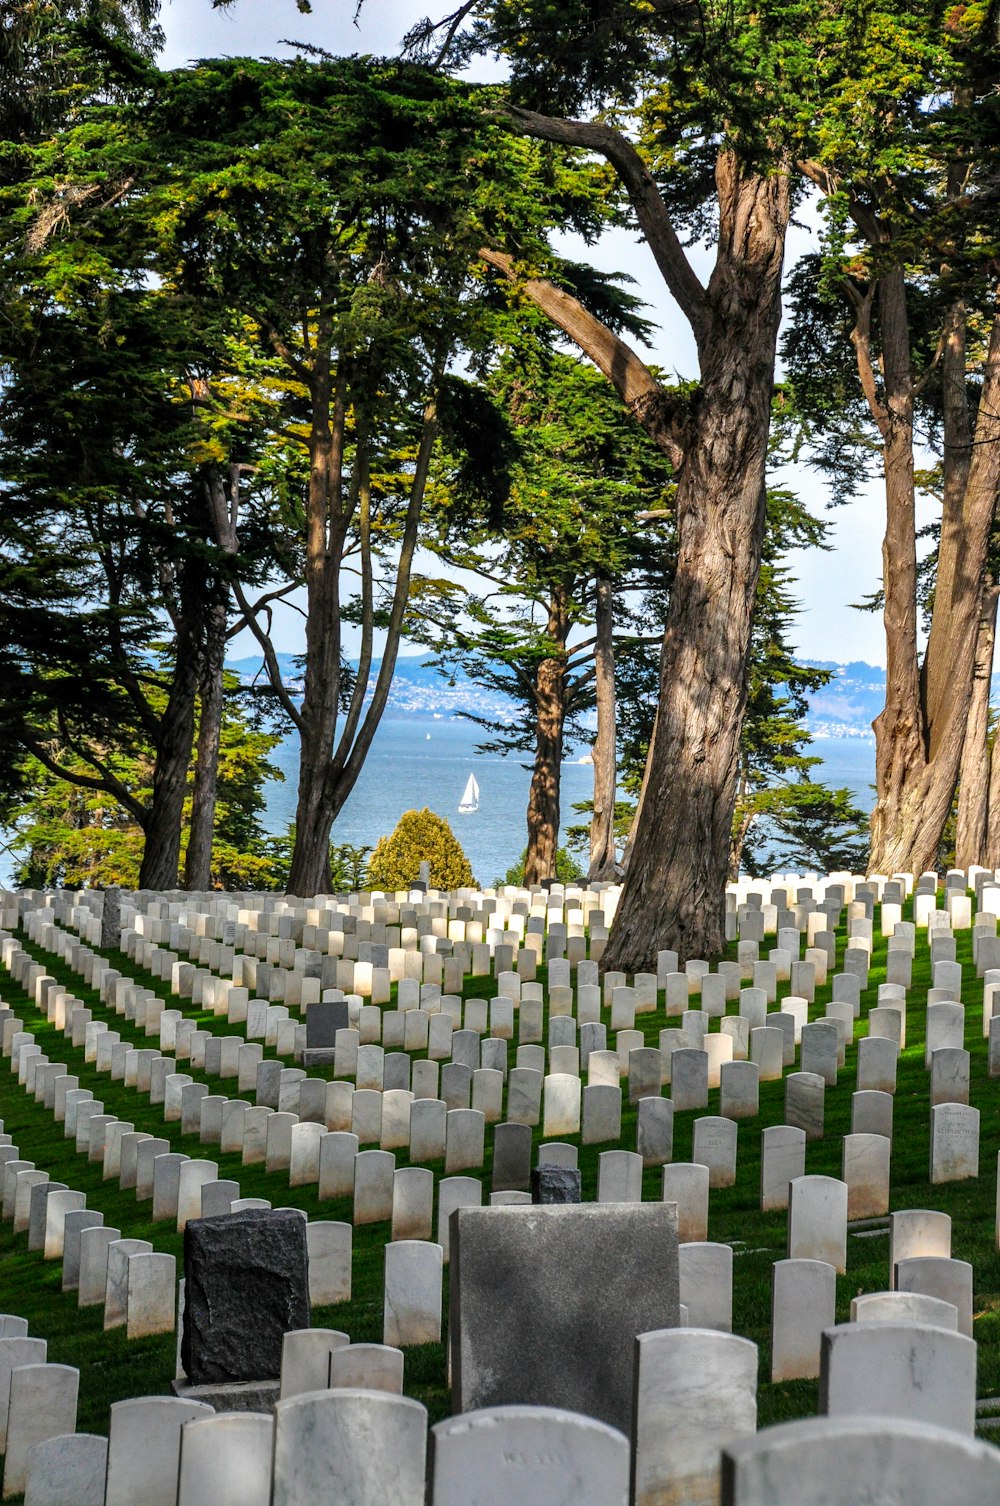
(828, 581)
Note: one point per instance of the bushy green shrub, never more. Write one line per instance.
(420, 837)
(568, 870)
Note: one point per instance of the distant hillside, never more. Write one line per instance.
(417, 688)
(844, 708)
(849, 704)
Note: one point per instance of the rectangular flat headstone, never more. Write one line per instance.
(247, 1284)
(552, 1184)
(322, 1023)
(546, 1303)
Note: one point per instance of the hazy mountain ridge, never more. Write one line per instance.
(417, 688)
(844, 708)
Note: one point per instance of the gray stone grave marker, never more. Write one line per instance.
(526, 1323)
(534, 1456)
(825, 1461)
(247, 1284)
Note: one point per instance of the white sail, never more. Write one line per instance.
(470, 798)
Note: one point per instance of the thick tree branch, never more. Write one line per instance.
(861, 340)
(347, 761)
(647, 201)
(664, 417)
(107, 784)
(270, 657)
(362, 482)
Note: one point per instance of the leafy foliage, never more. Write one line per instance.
(67, 836)
(419, 837)
(782, 814)
(579, 470)
(568, 870)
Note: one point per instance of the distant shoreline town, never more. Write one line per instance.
(845, 708)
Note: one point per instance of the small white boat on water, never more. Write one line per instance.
(470, 798)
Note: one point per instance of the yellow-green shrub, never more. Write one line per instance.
(420, 837)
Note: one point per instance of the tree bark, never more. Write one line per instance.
(991, 858)
(674, 890)
(324, 554)
(603, 859)
(162, 849)
(328, 775)
(974, 777)
(198, 858)
(550, 719)
(223, 512)
(920, 735)
(354, 744)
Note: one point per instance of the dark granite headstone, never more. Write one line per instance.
(512, 1158)
(546, 1303)
(111, 919)
(246, 1286)
(555, 1184)
(322, 1023)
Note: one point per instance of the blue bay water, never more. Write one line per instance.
(426, 761)
(420, 762)
(848, 762)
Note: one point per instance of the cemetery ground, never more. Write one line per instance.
(113, 1368)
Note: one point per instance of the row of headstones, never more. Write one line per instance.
(287, 1144)
(741, 1090)
(240, 920)
(873, 889)
(307, 1152)
(180, 1188)
(375, 1012)
(312, 1154)
(284, 971)
(229, 1063)
(949, 1070)
(900, 1396)
(433, 1120)
(406, 1195)
(135, 1284)
(283, 1132)
(104, 1267)
(951, 1088)
(503, 1027)
(424, 1021)
(224, 1054)
(812, 895)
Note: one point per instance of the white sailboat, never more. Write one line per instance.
(470, 798)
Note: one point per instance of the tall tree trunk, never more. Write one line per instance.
(920, 735)
(327, 775)
(550, 719)
(991, 857)
(162, 849)
(974, 778)
(674, 890)
(356, 739)
(222, 508)
(741, 828)
(324, 553)
(198, 859)
(603, 862)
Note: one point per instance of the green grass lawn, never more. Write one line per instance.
(112, 1368)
